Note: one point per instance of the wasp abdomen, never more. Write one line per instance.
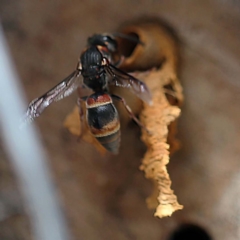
(103, 121)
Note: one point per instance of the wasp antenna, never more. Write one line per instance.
(128, 37)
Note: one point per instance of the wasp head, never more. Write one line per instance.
(103, 40)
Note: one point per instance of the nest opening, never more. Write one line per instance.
(127, 46)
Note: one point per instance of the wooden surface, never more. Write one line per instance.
(104, 197)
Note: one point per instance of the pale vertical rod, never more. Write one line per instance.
(27, 156)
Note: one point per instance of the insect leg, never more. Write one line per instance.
(81, 113)
(129, 110)
(120, 61)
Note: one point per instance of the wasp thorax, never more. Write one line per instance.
(91, 57)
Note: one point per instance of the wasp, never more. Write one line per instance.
(97, 70)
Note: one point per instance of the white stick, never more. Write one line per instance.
(27, 157)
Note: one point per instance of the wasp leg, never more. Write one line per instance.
(120, 61)
(129, 110)
(81, 114)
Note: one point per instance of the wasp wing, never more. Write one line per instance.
(60, 91)
(123, 79)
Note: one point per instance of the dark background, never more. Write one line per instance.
(104, 197)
